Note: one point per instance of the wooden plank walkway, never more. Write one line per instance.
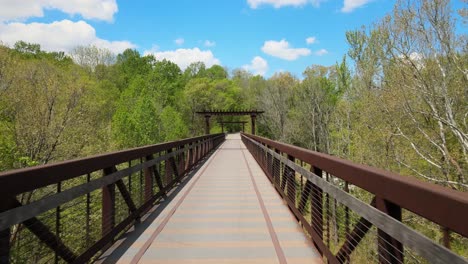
(227, 213)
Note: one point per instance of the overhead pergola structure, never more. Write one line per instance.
(209, 113)
(222, 123)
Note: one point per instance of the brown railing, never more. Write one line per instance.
(70, 211)
(359, 214)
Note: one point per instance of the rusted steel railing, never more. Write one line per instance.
(73, 210)
(359, 214)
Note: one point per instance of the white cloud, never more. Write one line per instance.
(350, 5)
(209, 43)
(179, 41)
(311, 40)
(257, 66)
(89, 9)
(321, 52)
(184, 57)
(58, 36)
(281, 49)
(281, 3)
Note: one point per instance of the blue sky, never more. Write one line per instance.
(263, 36)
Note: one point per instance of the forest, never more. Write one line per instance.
(398, 100)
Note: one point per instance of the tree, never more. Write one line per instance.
(195, 70)
(166, 79)
(173, 125)
(91, 56)
(136, 121)
(315, 100)
(276, 99)
(28, 48)
(422, 82)
(129, 65)
(216, 72)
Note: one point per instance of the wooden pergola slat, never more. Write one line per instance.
(208, 113)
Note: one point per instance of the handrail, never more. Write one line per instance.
(439, 204)
(70, 192)
(39, 176)
(325, 193)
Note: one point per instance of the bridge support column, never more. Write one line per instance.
(253, 118)
(207, 124)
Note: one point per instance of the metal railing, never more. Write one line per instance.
(69, 212)
(359, 214)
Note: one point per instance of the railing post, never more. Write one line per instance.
(88, 213)
(204, 148)
(200, 150)
(181, 161)
(168, 169)
(269, 166)
(190, 157)
(207, 124)
(276, 170)
(291, 181)
(288, 176)
(108, 205)
(389, 249)
(148, 179)
(5, 205)
(5, 246)
(253, 117)
(195, 152)
(57, 221)
(317, 207)
(446, 237)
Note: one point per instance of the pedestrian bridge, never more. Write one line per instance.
(235, 198)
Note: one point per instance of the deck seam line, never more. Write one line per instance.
(271, 230)
(161, 226)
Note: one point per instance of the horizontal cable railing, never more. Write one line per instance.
(359, 214)
(71, 211)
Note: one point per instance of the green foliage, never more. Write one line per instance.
(135, 121)
(400, 105)
(216, 72)
(173, 125)
(404, 93)
(195, 70)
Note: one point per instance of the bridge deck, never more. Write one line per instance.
(227, 213)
